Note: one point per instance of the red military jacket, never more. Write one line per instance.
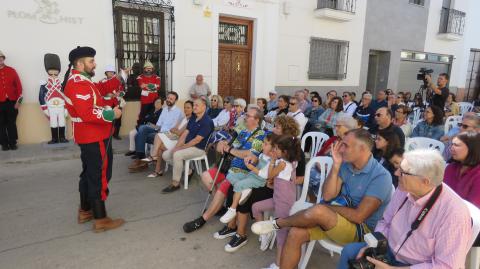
(150, 90)
(91, 121)
(112, 85)
(10, 85)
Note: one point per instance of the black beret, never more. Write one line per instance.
(81, 52)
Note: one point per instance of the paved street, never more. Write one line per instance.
(38, 229)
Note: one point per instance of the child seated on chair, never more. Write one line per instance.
(256, 178)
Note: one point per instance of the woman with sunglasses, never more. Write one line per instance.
(401, 119)
(328, 118)
(317, 110)
(216, 106)
(432, 125)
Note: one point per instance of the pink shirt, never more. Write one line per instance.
(443, 238)
(467, 185)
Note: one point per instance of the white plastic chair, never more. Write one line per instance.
(451, 122)
(417, 115)
(302, 203)
(465, 107)
(475, 251)
(423, 143)
(198, 166)
(318, 138)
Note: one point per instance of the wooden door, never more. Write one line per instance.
(234, 58)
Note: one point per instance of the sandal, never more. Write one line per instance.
(149, 159)
(155, 174)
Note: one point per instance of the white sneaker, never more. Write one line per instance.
(245, 195)
(266, 239)
(229, 215)
(264, 227)
(272, 266)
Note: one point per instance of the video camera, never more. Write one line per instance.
(378, 248)
(423, 72)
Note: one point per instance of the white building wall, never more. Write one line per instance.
(435, 44)
(295, 31)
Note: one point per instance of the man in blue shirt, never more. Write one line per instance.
(355, 176)
(170, 116)
(191, 143)
(381, 100)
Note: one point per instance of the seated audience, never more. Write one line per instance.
(295, 112)
(451, 106)
(200, 89)
(432, 125)
(384, 121)
(303, 104)
(355, 174)
(216, 105)
(237, 118)
(223, 117)
(149, 119)
(313, 123)
(365, 111)
(381, 100)
(165, 142)
(401, 119)
(330, 95)
(442, 239)
(262, 104)
(328, 119)
(272, 100)
(192, 142)
(349, 106)
(282, 109)
(386, 142)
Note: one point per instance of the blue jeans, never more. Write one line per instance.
(144, 134)
(350, 252)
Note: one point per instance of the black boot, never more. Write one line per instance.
(54, 136)
(61, 132)
(84, 204)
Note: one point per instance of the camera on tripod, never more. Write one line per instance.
(377, 249)
(423, 72)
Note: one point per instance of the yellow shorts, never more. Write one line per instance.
(343, 233)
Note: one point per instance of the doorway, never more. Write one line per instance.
(378, 70)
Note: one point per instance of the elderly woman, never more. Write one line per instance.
(216, 105)
(444, 236)
(432, 125)
(163, 143)
(222, 119)
(451, 106)
(282, 109)
(236, 115)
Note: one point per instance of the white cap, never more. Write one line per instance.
(273, 91)
(110, 68)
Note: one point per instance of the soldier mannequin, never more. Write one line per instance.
(52, 101)
(92, 125)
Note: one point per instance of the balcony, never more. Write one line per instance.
(452, 24)
(336, 10)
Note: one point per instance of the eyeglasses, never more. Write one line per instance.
(316, 101)
(249, 116)
(293, 104)
(403, 173)
(400, 111)
(213, 100)
(271, 94)
(346, 95)
(378, 115)
(226, 102)
(53, 75)
(463, 126)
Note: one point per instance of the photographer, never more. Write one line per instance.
(440, 91)
(444, 234)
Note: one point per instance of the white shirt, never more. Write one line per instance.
(286, 173)
(222, 118)
(300, 119)
(169, 118)
(349, 108)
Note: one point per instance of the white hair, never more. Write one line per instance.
(425, 162)
(348, 121)
(241, 102)
(367, 95)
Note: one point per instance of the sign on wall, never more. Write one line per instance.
(47, 11)
(237, 3)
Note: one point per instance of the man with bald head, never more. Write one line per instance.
(200, 89)
(383, 118)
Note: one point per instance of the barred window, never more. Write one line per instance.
(328, 59)
(417, 2)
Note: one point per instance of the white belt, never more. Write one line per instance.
(74, 119)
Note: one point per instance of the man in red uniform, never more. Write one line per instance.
(112, 90)
(10, 100)
(92, 125)
(150, 85)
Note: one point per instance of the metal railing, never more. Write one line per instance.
(343, 5)
(452, 21)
